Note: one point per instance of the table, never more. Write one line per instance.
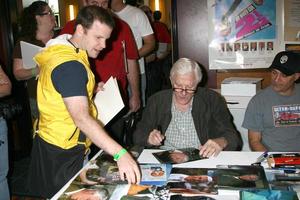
(224, 158)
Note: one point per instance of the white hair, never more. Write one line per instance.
(184, 66)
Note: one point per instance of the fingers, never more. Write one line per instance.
(100, 86)
(129, 169)
(155, 138)
(210, 148)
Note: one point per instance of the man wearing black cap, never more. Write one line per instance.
(273, 115)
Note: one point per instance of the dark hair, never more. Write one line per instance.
(156, 15)
(89, 14)
(28, 21)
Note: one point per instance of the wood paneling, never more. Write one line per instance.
(257, 73)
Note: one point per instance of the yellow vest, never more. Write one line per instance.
(55, 124)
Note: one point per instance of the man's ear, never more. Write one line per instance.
(79, 30)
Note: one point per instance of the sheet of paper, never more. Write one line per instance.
(28, 51)
(108, 102)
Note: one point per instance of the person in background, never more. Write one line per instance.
(273, 115)
(5, 89)
(67, 122)
(162, 36)
(37, 24)
(143, 34)
(158, 63)
(187, 115)
(111, 62)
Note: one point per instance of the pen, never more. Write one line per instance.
(262, 157)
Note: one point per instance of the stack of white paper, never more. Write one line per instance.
(28, 51)
(109, 101)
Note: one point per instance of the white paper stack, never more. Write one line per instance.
(28, 51)
(240, 86)
(109, 101)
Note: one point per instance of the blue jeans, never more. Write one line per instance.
(4, 191)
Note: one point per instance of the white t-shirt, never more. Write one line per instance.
(140, 26)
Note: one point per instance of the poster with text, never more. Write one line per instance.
(243, 34)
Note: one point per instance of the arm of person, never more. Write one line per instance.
(255, 141)
(70, 79)
(222, 133)
(213, 147)
(5, 84)
(147, 124)
(148, 45)
(78, 108)
(21, 73)
(155, 138)
(133, 78)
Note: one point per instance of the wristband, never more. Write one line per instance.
(118, 155)
(33, 72)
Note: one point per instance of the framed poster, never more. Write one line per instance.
(244, 34)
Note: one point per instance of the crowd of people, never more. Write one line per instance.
(115, 40)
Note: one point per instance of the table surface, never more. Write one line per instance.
(224, 158)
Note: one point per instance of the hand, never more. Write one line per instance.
(129, 169)
(213, 147)
(86, 194)
(134, 103)
(99, 87)
(155, 138)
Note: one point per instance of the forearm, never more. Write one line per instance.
(255, 139)
(133, 77)
(257, 146)
(148, 46)
(78, 109)
(21, 73)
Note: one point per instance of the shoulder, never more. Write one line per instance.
(121, 24)
(262, 94)
(162, 95)
(206, 93)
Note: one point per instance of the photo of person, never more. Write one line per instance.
(237, 46)
(157, 171)
(191, 181)
(228, 47)
(253, 46)
(261, 46)
(245, 46)
(178, 156)
(241, 177)
(270, 46)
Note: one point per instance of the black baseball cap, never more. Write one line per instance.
(287, 62)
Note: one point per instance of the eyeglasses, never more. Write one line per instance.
(190, 91)
(46, 13)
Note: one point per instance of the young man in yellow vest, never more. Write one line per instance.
(67, 121)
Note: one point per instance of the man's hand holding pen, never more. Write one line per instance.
(156, 137)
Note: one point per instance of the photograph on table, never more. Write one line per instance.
(178, 156)
(192, 181)
(237, 177)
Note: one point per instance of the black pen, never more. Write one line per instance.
(159, 129)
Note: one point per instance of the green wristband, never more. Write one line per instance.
(118, 155)
(33, 72)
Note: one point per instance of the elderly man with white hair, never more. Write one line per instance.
(187, 115)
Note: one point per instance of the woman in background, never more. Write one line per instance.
(5, 89)
(37, 24)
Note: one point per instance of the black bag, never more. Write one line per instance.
(130, 121)
(9, 108)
